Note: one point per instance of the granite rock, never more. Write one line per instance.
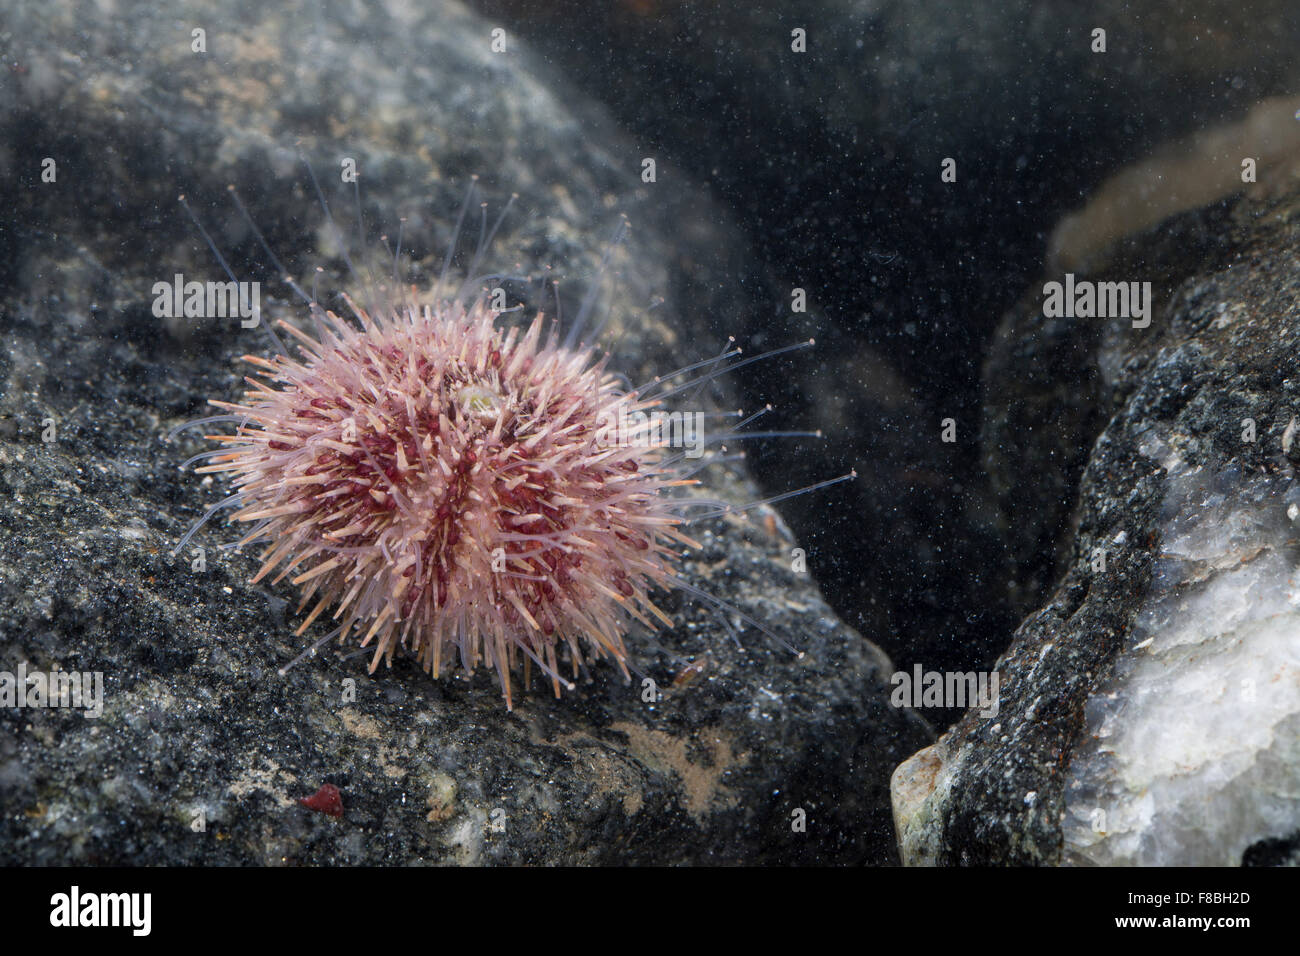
(202, 751)
(1149, 709)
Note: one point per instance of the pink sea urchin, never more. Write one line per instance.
(461, 489)
(446, 486)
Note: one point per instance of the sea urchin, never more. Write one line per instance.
(448, 486)
(459, 488)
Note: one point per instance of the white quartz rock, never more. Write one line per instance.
(1191, 751)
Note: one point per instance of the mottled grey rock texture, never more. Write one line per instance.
(196, 723)
(1171, 404)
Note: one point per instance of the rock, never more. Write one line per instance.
(831, 160)
(1150, 708)
(202, 752)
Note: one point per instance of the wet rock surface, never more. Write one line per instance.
(1148, 710)
(202, 751)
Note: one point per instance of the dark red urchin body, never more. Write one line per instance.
(443, 485)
